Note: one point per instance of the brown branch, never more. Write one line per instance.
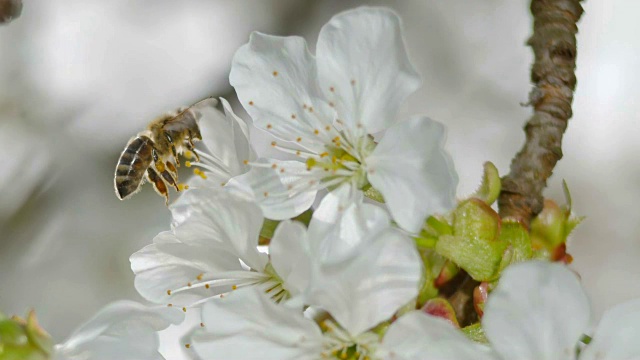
(554, 79)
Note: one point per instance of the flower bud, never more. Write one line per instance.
(441, 308)
(475, 245)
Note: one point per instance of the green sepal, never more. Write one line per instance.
(475, 332)
(441, 308)
(475, 219)
(23, 340)
(489, 189)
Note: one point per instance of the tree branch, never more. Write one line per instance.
(554, 79)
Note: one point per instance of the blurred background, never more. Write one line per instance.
(78, 78)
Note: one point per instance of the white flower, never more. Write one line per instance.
(225, 137)
(540, 311)
(213, 248)
(123, 330)
(326, 109)
(367, 286)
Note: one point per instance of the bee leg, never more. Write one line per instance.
(158, 184)
(173, 148)
(170, 175)
(191, 148)
(167, 172)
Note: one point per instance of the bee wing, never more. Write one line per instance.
(187, 120)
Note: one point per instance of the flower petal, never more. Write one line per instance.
(418, 336)
(617, 335)
(289, 252)
(217, 219)
(268, 189)
(413, 172)
(122, 330)
(248, 325)
(276, 81)
(538, 311)
(170, 264)
(226, 137)
(338, 227)
(364, 68)
(364, 290)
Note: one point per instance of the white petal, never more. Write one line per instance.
(413, 172)
(170, 264)
(276, 81)
(418, 336)
(248, 325)
(367, 289)
(289, 251)
(616, 337)
(362, 58)
(122, 330)
(268, 188)
(217, 219)
(339, 227)
(538, 311)
(226, 138)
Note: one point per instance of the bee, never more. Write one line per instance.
(153, 153)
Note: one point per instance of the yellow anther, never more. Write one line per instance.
(184, 309)
(187, 345)
(275, 73)
(207, 286)
(299, 139)
(304, 106)
(311, 109)
(289, 187)
(311, 162)
(269, 126)
(281, 170)
(316, 131)
(189, 284)
(183, 187)
(328, 128)
(324, 154)
(332, 89)
(169, 305)
(293, 116)
(331, 104)
(266, 194)
(273, 143)
(251, 103)
(334, 159)
(353, 81)
(234, 287)
(187, 163)
(246, 162)
(201, 324)
(274, 166)
(336, 139)
(298, 153)
(199, 173)
(160, 166)
(188, 154)
(199, 277)
(168, 292)
(343, 356)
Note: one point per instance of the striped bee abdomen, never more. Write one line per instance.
(132, 165)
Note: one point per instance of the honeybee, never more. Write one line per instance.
(153, 153)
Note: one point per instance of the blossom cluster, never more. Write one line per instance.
(341, 240)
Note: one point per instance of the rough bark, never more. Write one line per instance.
(553, 75)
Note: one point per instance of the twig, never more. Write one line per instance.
(553, 75)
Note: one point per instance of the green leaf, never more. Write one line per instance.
(517, 238)
(489, 189)
(480, 258)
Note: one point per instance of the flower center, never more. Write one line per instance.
(339, 344)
